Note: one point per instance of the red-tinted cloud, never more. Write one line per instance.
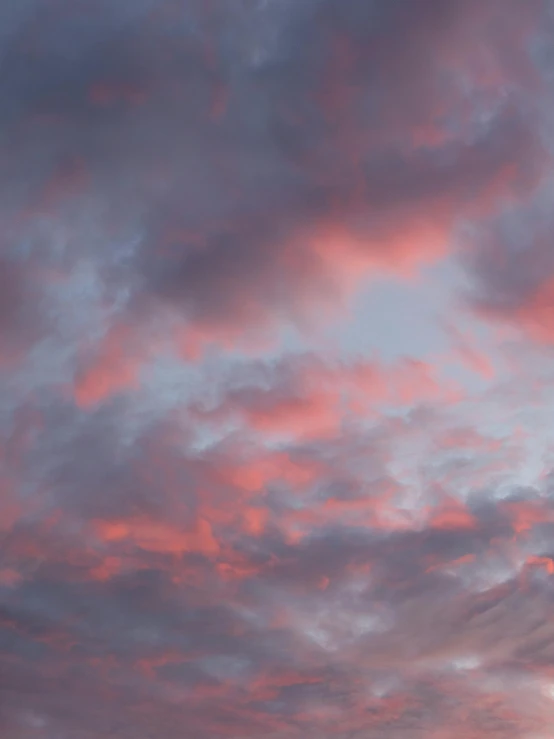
(351, 140)
(212, 522)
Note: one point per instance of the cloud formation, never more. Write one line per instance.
(216, 519)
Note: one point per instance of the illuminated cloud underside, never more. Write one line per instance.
(276, 331)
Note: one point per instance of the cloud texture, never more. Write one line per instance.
(232, 503)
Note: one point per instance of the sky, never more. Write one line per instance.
(276, 369)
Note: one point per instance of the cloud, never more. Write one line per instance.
(213, 519)
(248, 585)
(344, 145)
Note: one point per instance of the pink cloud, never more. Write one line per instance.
(211, 520)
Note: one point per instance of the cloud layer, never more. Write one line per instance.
(217, 519)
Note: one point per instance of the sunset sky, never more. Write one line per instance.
(277, 369)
